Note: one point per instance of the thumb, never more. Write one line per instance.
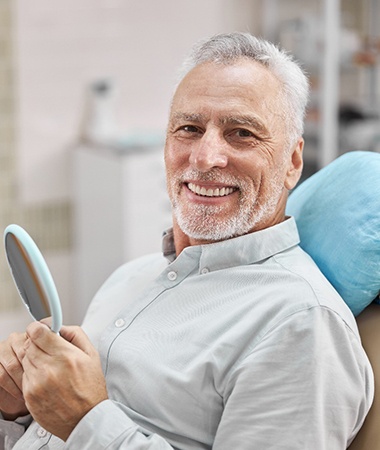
(77, 337)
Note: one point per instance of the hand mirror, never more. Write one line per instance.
(32, 276)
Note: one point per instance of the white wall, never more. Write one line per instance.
(61, 46)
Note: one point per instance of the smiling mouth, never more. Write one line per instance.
(217, 192)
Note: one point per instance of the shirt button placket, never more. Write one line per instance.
(119, 323)
(41, 432)
(172, 276)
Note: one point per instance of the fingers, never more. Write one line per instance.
(11, 374)
(76, 336)
(11, 355)
(51, 343)
(47, 321)
(41, 336)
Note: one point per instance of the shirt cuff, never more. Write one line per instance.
(102, 425)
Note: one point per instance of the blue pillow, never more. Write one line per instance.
(337, 211)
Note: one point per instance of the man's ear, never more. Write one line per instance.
(295, 165)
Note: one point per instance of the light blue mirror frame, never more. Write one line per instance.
(24, 256)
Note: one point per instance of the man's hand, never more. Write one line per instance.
(12, 404)
(63, 378)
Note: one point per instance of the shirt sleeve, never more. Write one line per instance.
(107, 426)
(308, 384)
(11, 431)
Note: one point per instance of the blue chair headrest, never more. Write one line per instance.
(337, 211)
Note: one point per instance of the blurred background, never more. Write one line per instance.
(84, 92)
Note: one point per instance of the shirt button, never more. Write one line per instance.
(119, 323)
(41, 432)
(205, 270)
(172, 276)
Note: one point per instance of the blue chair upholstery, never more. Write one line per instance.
(337, 211)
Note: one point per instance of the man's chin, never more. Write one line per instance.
(211, 232)
(212, 223)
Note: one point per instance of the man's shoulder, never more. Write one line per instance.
(314, 289)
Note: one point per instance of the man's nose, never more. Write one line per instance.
(208, 152)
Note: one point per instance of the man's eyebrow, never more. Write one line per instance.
(251, 121)
(181, 116)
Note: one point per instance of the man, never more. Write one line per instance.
(234, 339)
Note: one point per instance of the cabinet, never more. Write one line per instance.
(120, 211)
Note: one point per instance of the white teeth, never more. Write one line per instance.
(210, 192)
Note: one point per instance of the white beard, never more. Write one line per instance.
(207, 222)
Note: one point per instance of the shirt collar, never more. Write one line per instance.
(168, 247)
(247, 249)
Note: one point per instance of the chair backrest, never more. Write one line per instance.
(338, 218)
(368, 437)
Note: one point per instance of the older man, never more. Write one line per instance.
(232, 339)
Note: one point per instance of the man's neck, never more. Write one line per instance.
(181, 240)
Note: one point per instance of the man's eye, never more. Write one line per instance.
(190, 129)
(241, 132)
(242, 136)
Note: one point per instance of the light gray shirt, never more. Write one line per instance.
(241, 344)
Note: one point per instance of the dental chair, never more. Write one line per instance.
(337, 211)
(368, 437)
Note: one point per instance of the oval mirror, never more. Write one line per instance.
(32, 276)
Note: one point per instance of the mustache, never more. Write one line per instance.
(213, 175)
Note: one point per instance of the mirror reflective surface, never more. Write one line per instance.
(32, 276)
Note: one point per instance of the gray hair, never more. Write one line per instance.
(227, 48)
